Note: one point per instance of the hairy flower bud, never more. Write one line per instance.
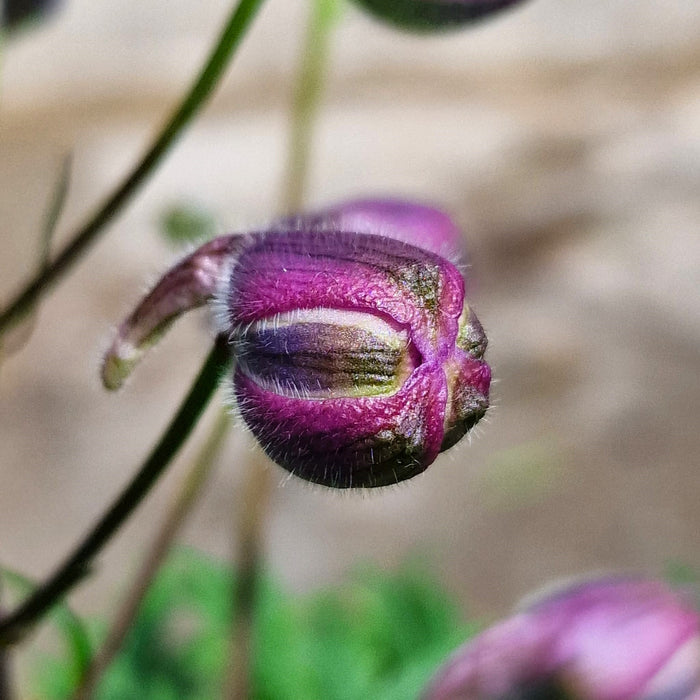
(434, 15)
(607, 639)
(358, 359)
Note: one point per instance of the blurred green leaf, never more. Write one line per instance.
(682, 574)
(185, 223)
(68, 672)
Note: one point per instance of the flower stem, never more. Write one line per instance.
(307, 93)
(229, 40)
(77, 564)
(249, 526)
(185, 498)
(6, 690)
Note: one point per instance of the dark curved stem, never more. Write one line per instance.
(83, 237)
(77, 564)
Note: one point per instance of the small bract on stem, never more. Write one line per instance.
(358, 357)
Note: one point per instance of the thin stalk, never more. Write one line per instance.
(257, 485)
(185, 498)
(5, 681)
(6, 690)
(307, 93)
(13, 343)
(249, 530)
(229, 40)
(77, 564)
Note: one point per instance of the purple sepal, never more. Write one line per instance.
(282, 271)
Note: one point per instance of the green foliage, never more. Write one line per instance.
(378, 636)
(78, 649)
(185, 223)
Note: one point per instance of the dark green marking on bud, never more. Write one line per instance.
(470, 336)
(423, 281)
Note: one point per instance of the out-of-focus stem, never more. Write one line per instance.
(306, 101)
(249, 530)
(250, 524)
(13, 626)
(185, 499)
(5, 679)
(234, 30)
(13, 342)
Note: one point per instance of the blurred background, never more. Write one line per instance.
(564, 137)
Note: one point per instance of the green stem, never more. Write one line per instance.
(77, 564)
(6, 689)
(306, 101)
(234, 30)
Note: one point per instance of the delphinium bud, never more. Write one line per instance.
(606, 639)
(358, 359)
(434, 15)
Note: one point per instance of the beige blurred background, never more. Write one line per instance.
(564, 136)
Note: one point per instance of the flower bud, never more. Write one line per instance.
(433, 15)
(358, 359)
(606, 639)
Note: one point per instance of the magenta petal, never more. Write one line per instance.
(350, 442)
(284, 271)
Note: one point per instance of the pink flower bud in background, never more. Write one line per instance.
(606, 639)
(434, 15)
(358, 359)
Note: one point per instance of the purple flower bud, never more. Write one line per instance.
(434, 15)
(357, 358)
(607, 639)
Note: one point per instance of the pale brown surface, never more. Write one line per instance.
(565, 139)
